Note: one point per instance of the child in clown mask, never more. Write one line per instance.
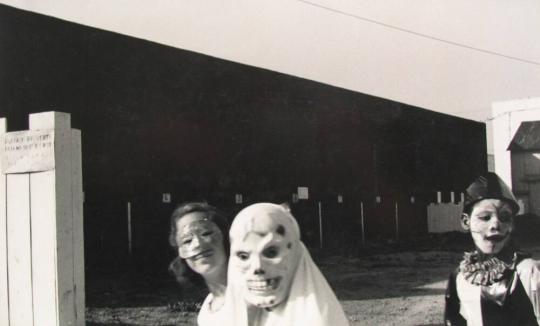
(272, 279)
(496, 284)
(199, 233)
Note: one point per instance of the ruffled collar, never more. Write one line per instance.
(479, 271)
(494, 274)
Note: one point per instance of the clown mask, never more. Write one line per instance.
(490, 224)
(265, 253)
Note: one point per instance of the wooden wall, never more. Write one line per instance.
(156, 120)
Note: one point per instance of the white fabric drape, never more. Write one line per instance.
(311, 301)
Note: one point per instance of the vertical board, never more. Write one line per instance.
(64, 228)
(41, 228)
(78, 226)
(19, 250)
(534, 200)
(43, 223)
(4, 312)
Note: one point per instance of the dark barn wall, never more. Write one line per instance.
(155, 119)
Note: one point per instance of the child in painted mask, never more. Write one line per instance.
(272, 279)
(496, 284)
(199, 233)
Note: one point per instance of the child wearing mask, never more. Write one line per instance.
(495, 284)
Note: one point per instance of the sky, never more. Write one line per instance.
(455, 57)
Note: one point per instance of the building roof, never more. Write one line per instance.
(527, 137)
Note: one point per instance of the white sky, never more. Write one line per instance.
(338, 46)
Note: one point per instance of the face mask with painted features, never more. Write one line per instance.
(265, 250)
(198, 238)
(491, 225)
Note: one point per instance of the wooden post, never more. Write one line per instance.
(130, 249)
(41, 170)
(4, 299)
(320, 225)
(18, 245)
(362, 222)
(397, 221)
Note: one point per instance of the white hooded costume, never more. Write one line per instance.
(272, 280)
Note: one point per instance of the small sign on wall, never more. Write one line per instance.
(238, 199)
(166, 198)
(303, 193)
(340, 199)
(27, 151)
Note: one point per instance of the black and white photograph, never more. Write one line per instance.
(269, 163)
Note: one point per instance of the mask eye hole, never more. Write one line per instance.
(271, 252)
(242, 255)
(483, 217)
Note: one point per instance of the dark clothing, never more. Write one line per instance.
(452, 317)
(516, 310)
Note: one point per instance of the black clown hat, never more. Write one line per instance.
(489, 186)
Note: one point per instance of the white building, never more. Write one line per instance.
(525, 154)
(506, 118)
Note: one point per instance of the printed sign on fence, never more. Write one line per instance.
(303, 193)
(166, 198)
(27, 151)
(238, 198)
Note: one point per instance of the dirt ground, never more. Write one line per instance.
(396, 284)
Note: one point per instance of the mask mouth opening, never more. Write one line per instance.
(263, 286)
(202, 254)
(496, 237)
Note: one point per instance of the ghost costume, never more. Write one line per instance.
(302, 297)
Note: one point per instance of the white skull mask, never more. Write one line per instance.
(265, 250)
